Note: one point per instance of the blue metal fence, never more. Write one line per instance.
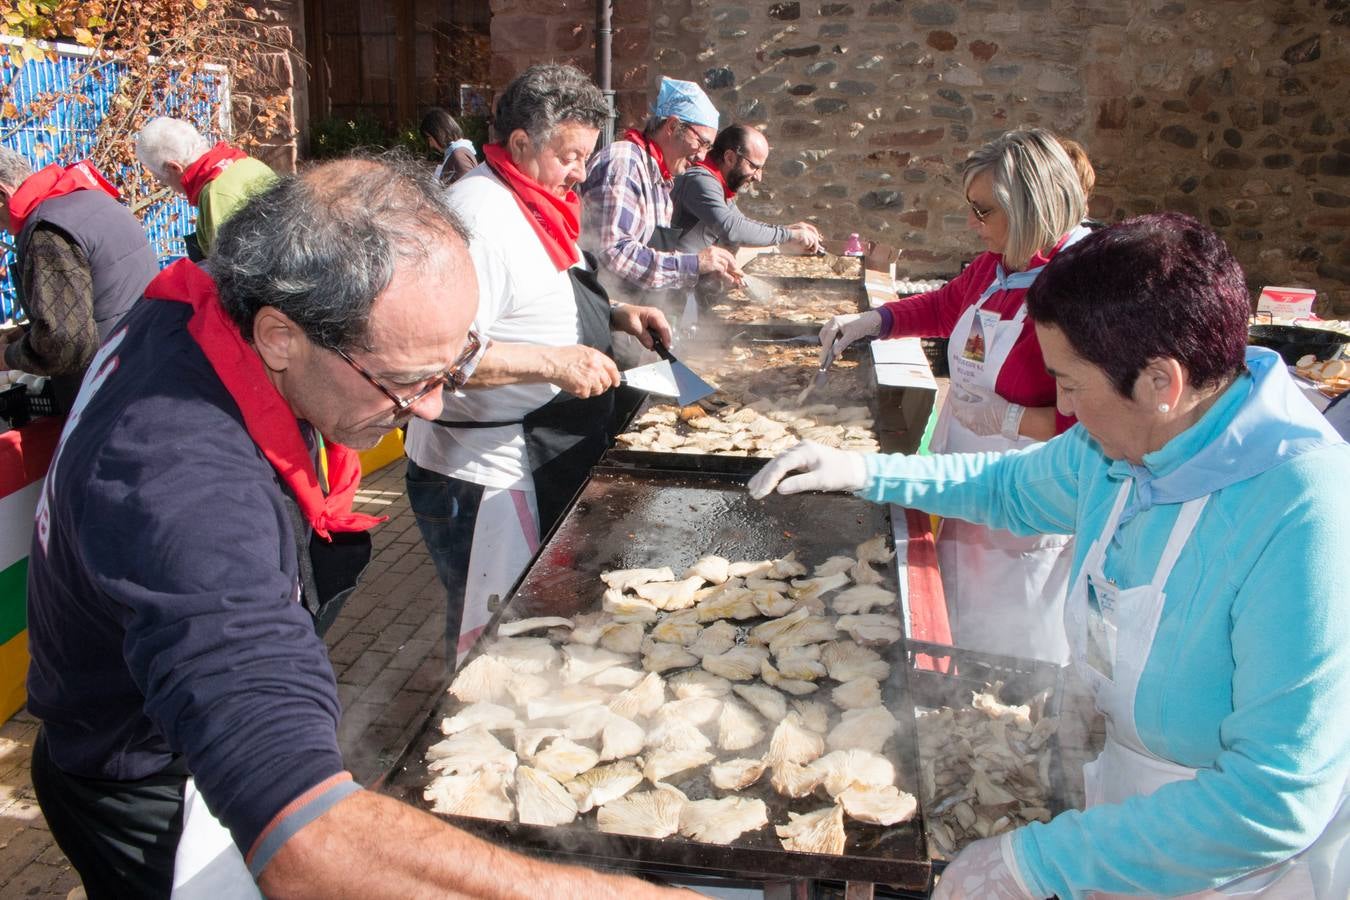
(66, 134)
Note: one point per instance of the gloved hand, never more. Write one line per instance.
(822, 469)
(985, 412)
(844, 330)
(985, 870)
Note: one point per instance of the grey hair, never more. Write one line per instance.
(321, 246)
(1036, 186)
(14, 167)
(543, 97)
(164, 140)
(654, 123)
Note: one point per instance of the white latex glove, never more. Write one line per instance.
(844, 330)
(822, 469)
(985, 870)
(986, 413)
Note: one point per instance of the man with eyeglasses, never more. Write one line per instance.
(503, 460)
(706, 213)
(627, 207)
(186, 541)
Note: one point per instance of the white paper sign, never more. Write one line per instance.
(1286, 302)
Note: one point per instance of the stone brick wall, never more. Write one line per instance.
(529, 31)
(1236, 112)
(279, 26)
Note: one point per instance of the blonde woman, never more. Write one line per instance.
(1005, 592)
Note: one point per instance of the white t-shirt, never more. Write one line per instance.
(522, 298)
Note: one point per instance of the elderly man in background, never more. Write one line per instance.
(175, 665)
(504, 459)
(83, 262)
(215, 179)
(705, 199)
(628, 205)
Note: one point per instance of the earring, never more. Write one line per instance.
(1164, 407)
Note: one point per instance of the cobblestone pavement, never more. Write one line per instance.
(388, 653)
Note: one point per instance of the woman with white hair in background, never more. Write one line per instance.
(1005, 592)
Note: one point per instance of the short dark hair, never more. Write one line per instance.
(1156, 286)
(730, 138)
(439, 124)
(322, 245)
(543, 97)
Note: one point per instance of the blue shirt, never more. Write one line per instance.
(162, 590)
(1248, 677)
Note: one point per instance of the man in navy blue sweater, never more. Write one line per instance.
(189, 736)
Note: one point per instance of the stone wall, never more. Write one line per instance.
(529, 31)
(1237, 112)
(279, 26)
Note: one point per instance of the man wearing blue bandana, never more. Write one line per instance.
(1208, 609)
(626, 204)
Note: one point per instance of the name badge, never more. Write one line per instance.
(1101, 626)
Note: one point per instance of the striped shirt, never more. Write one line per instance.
(625, 204)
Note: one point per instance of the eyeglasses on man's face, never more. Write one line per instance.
(703, 143)
(454, 376)
(755, 168)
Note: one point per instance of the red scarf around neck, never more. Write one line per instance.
(267, 416)
(55, 180)
(207, 168)
(652, 149)
(556, 220)
(727, 193)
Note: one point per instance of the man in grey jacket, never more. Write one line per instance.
(705, 199)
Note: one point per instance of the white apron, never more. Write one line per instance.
(207, 864)
(1005, 593)
(505, 538)
(1111, 632)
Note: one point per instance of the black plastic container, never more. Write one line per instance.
(1293, 342)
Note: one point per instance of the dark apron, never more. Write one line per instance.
(567, 435)
(328, 570)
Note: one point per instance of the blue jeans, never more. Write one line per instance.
(446, 510)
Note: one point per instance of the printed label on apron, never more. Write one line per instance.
(1101, 627)
(974, 349)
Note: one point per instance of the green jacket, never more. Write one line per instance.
(219, 199)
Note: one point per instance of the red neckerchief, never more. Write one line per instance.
(653, 151)
(55, 180)
(267, 416)
(207, 168)
(727, 193)
(556, 220)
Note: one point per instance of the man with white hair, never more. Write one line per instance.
(215, 179)
(627, 203)
(83, 262)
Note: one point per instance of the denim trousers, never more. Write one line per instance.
(446, 510)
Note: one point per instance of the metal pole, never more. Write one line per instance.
(604, 52)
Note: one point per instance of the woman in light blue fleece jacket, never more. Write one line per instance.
(1210, 602)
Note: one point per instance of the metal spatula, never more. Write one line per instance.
(821, 377)
(691, 388)
(654, 378)
(759, 290)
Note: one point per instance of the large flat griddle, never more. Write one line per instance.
(629, 518)
(795, 301)
(853, 385)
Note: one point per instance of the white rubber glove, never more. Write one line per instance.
(986, 413)
(844, 330)
(822, 469)
(985, 870)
